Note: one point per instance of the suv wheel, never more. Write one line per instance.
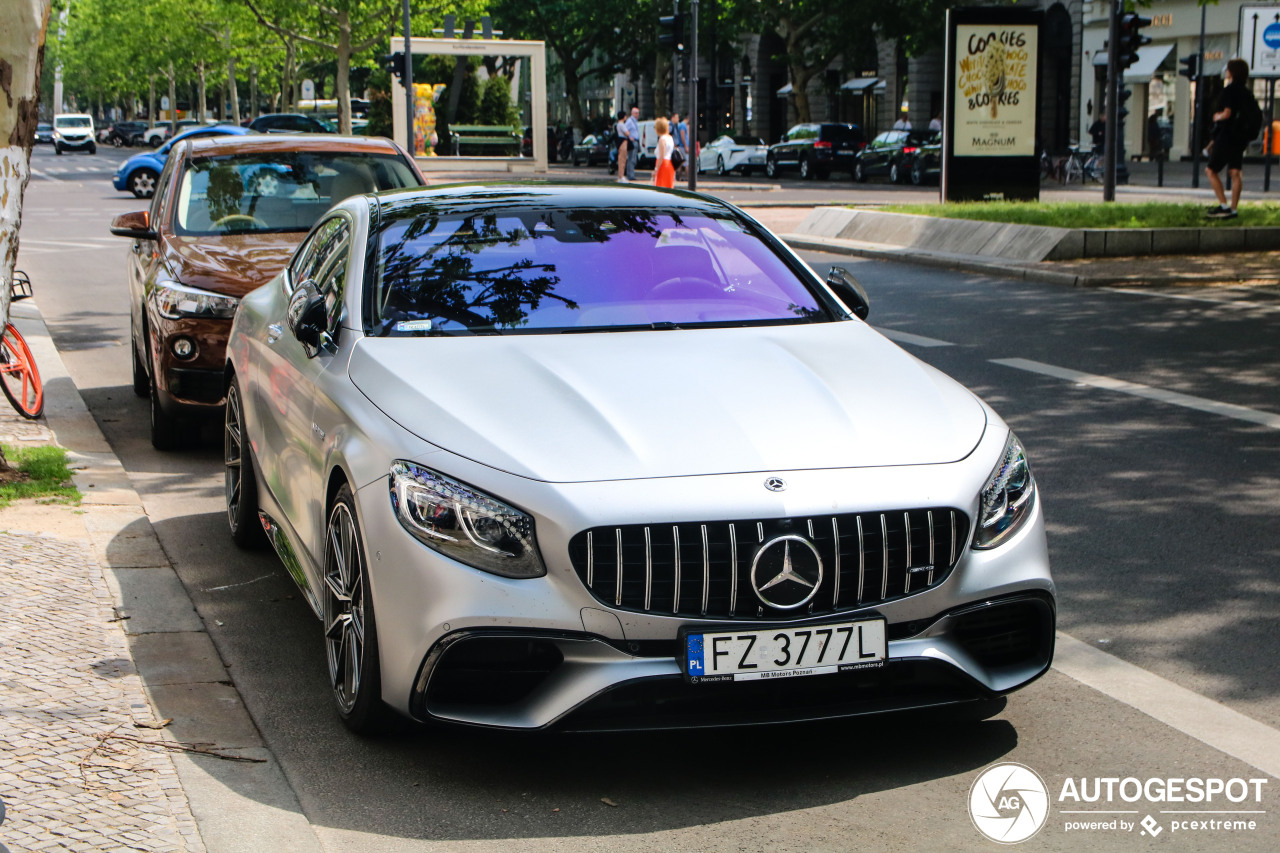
(917, 173)
(771, 167)
(895, 174)
(805, 172)
(859, 173)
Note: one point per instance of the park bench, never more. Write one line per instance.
(485, 136)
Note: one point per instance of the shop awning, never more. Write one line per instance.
(858, 84)
(785, 90)
(1150, 57)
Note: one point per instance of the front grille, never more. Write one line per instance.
(703, 570)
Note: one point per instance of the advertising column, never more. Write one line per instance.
(990, 145)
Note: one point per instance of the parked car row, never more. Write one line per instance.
(810, 150)
(622, 554)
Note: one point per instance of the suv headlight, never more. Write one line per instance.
(176, 301)
(463, 523)
(1007, 498)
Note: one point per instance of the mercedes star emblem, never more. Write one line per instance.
(775, 484)
(786, 572)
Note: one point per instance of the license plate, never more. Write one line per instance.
(754, 655)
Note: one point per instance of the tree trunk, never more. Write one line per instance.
(252, 92)
(343, 81)
(21, 55)
(151, 103)
(286, 91)
(231, 83)
(173, 97)
(662, 85)
(202, 114)
(572, 89)
(800, 77)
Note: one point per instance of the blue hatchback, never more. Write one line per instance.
(138, 174)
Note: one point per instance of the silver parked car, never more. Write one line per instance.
(615, 457)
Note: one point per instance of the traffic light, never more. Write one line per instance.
(1124, 94)
(1131, 37)
(671, 32)
(394, 62)
(1192, 71)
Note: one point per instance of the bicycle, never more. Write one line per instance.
(19, 378)
(1082, 167)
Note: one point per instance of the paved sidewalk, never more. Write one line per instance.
(120, 728)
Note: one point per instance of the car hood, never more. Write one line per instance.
(233, 264)
(629, 405)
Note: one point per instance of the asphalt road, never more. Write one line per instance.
(1145, 415)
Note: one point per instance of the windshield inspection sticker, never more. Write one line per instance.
(413, 326)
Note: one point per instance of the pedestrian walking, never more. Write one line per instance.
(620, 136)
(935, 123)
(632, 128)
(664, 173)
(1230, 138)
(903, 123)
(680, 133)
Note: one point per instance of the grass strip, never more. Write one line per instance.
(1071, 214)
(37, 472)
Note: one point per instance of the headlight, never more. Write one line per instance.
(176, 301)
(465, 524)
(1006, 501)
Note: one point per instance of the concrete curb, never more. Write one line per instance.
(181, 671)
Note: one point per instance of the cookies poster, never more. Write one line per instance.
(995, 97)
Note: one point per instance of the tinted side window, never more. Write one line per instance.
(160, 200)
(310, 260)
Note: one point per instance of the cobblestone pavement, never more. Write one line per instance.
(76, 771)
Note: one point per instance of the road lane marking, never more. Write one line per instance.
(1200, 717)
(1226, 410)
(1186, 297)
(913, 340)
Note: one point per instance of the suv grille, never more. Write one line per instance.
(703, 570)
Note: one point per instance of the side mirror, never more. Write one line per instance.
(307, 318)
(786, 138)
(850, 291)
(135, 225)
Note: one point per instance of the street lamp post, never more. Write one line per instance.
(693, 95)
(409, 111)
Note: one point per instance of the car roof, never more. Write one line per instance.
(72, 115)
(213, 146)
(465, 198)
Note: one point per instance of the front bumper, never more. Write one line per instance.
(76, 142)
(465, 646)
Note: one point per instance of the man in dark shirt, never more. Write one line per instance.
(1228, 149)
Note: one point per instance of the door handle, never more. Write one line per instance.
(274, 331)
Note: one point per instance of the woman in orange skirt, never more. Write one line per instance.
(664, 174)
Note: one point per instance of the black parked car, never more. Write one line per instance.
(44, 133)
(815, 150)
(926, 163)
(592, 150)
(125, 133)
(890, 154)
(289, 123)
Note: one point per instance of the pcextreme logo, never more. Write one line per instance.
(1009, 803)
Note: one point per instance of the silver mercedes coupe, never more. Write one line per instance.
(597, 457)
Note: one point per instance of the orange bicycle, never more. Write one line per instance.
(19, 378)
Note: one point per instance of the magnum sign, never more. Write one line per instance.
(995, 78)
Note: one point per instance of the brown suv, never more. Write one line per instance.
(227, 214)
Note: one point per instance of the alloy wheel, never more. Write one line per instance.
(344, 608)
(233, 456)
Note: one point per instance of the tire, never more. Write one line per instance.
(350, 630)
(117, 142)
(720, 169)
(155, 141)
(141, 383)
(771, 167)
(164, 426)
(805, 172)
(859, 173)
(575, 159)
(917, 174)
(142, 183)
(895, 174)
(93, 149)
(20, 380)
(240, 479)
(57, 149)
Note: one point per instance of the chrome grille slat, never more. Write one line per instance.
(648, 571)
(900, 546)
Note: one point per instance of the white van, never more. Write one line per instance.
(647, 156)
(73, 132)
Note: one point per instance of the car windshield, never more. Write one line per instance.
(839, 133)
(278, 190)
(547, 271)
(746, 140)
(73, 121)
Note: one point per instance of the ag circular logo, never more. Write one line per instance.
(1009, 803)
(786, 572)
